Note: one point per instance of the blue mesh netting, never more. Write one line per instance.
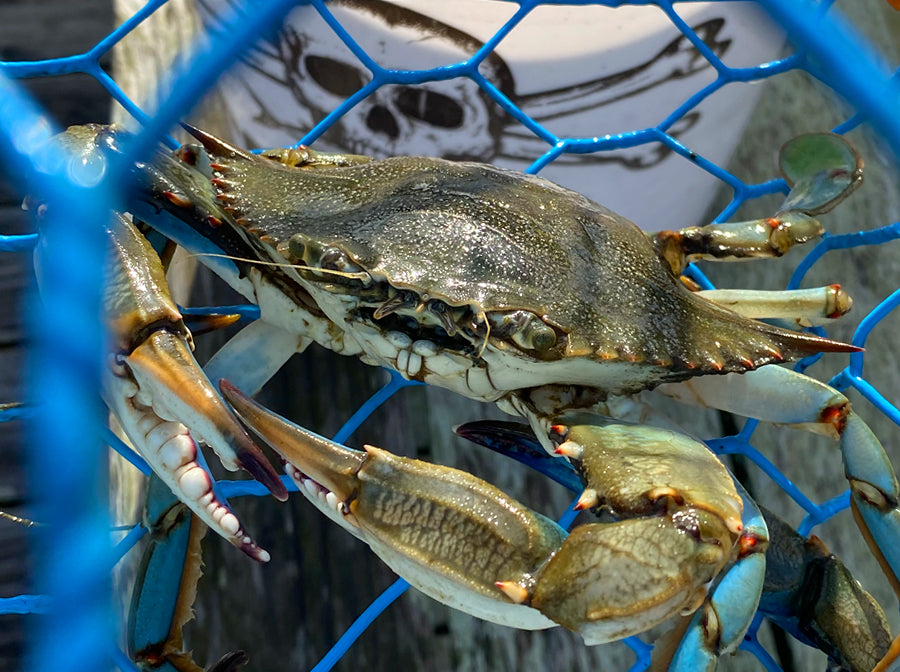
(73, 560)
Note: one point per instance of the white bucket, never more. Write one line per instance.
(579, 71)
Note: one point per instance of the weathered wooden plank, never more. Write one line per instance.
(33, 30)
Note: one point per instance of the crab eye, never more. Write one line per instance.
(525, 329)
(304, 251)
(296, 249)
(334, 259)
(535, 335)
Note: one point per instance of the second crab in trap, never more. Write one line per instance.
(505, 288)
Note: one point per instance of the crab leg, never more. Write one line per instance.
(806, 590)
(166, 587)
(732, 241)
(822, 169)
(811, 594)
(803, 307)
(160, 395)
(166, 581)
(253, 355)
(782, 396)
(719, 625)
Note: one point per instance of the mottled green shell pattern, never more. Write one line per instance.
(496, 240)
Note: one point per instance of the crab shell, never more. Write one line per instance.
(469, 276)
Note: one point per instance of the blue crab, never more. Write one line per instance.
(506, 288)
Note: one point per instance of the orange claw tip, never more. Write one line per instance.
(736, 526)
(893, 654)
(513, 591)
(819, 545)
(203, 324)
(750, 543)
(179, 200)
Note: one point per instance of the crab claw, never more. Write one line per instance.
(448, 533)
(472, 547)
(161, 396)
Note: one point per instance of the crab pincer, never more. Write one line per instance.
(473, 547)
(160, 395)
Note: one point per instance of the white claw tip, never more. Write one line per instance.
(247, 545)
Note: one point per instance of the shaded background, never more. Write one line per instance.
(320, 578)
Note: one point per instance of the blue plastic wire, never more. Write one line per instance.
(373, 611)
(751, 644)
(395, 382)
(642, 652)
(823, 512)
(23, 243)
(126, 451)
(129, 541)
(13, 413)
(79, 545)
(72, 547)
(25, 604)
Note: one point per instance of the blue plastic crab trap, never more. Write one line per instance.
(637, 105)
